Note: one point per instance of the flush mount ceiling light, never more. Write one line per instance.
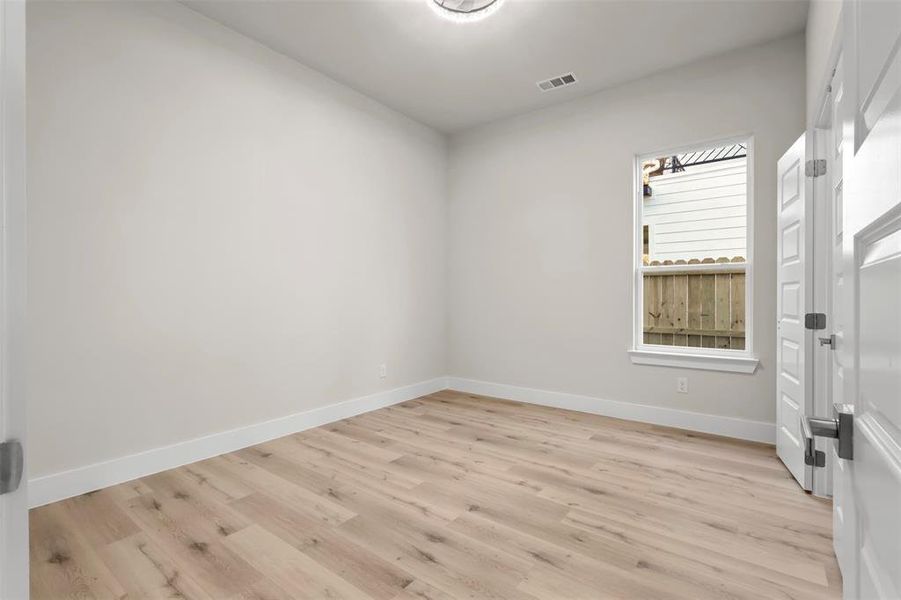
(465, 11)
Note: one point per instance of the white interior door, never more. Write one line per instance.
(792, 302)
(13, 505)
(867, 488)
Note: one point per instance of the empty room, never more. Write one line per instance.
(450, 299)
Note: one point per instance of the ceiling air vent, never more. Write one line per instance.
(556, 82)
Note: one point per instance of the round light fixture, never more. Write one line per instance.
(465, 11)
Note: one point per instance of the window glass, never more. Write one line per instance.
(694, 224)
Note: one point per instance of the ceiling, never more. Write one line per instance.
(452, 76)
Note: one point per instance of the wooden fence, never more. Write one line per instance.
(687, 308)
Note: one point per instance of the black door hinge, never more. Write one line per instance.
(815, 321)
(815, 168)
(11, 466)
(817, 459)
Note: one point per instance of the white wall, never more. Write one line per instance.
(823, 18)
(700, 212)
(217, 235)
(540, 212)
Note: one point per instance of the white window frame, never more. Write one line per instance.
(712, 359)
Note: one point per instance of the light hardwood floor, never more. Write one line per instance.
(450, 496)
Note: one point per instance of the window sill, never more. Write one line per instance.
(707, 362)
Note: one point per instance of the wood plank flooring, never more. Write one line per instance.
(450, 496)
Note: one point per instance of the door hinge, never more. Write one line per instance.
(11, 464)
(815, 458)
(815, 167)
(815, 321)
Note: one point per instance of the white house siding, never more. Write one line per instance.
(700, 212)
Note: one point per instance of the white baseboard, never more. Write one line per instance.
(744, 429)
(58, 486)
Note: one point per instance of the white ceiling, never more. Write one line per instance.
(456, 75)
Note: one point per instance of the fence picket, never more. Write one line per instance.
(738, 311)
(666, 309)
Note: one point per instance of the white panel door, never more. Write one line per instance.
(868, 487)
(13, 506)
(792, 300)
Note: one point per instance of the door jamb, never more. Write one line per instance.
(14, 580)
(822, 377)
(821, 265)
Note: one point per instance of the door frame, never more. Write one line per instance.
(819, 124)
(820, 137)
(821, 264)
(14, 581)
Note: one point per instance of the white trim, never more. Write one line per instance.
(820, 223)
(744, 429)
(58, 486)
(693, 360)
(822, 132)
(822, 87)
(66, 484)
(13, 251)
(708, 358)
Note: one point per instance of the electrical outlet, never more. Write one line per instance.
(383, 370)
(682, 385)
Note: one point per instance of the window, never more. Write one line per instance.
(693, 257)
